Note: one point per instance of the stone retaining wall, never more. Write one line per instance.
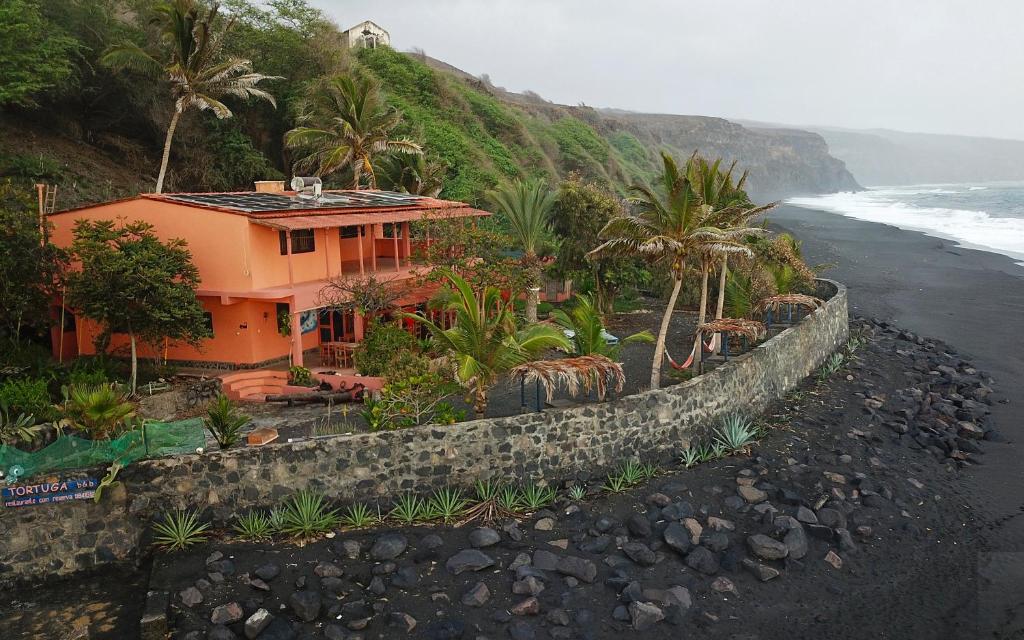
(556, 444)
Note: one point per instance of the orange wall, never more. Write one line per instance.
(245, 333)
(216, 239)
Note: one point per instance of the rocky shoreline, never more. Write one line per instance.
(856, 480)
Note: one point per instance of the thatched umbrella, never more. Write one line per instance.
(586, 372)
(774, 303)
(751, 329)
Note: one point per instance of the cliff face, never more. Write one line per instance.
(782, 162)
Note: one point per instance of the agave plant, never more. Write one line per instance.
(179, 530)
(577, 492)
(409, 508)
(306, 514)
(736, 433)
(537, 497)
(510, 499)
(254, 526)
(359, 516)
(446, 505)
(832, 364)
(691, 456)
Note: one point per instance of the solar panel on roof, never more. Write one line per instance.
(256, 202)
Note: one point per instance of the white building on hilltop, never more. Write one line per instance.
(366, 34)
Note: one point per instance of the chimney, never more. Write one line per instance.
(269, 186)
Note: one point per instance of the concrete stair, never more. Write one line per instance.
(253, 386)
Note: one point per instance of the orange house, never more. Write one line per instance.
(263, 259)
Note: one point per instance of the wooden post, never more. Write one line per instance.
(373, 245)
(408, 243)
(394, 239)
(296, 335)
(360, 242)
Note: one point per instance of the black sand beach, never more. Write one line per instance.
(973, 300)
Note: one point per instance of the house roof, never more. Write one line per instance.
(286, 210)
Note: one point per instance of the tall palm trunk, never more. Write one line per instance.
(167, 154)
(701, 313)
(720, 309)
(659, 346)
(480, 400)
(533, 290)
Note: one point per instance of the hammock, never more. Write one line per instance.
(709, 347)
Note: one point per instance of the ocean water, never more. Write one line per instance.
(987, 216)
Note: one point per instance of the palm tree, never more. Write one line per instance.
(728, 212)
(199, 77)
(344, 124)
(588, 333)
(665, 228)
(411, 173)
(485, 342)
(527, 206)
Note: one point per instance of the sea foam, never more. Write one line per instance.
(895, 206)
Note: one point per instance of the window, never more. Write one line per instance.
(208, 320)
(303, 241)
(392, 230)
(349, 232)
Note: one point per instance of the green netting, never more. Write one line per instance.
(154, 439)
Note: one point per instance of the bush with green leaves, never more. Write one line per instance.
(407, 402)
(224, 421)
(179, 530)
(383, 344)
(301, 376)
(17, 429)
(307, 514)
(29, 396)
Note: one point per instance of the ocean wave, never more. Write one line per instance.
(970, 228)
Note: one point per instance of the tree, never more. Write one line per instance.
(589, 336)
(580, 211)
(666, 228)
(475, 252)
(193, 40)
(344, 124)
(29, 266)
(728, 211)
(485, 341)
(526, 205)
(411, 173)
(131, 282)
(36, 55)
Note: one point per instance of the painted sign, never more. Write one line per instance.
(308, 320)
(22, 495)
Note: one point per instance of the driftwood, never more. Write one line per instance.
(355, 394)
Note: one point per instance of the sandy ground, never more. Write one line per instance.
(974, 300)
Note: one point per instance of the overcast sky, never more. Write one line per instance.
(942, 66)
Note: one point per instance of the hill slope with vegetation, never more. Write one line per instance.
(97, 133)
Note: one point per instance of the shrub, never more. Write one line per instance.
(383, 343)
(224, 421)
(102, 410)
(411, 401)
(17, 428)
(180, 530)
(28, 396)
(306, 514)
(301, 376)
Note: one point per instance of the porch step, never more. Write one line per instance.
(253, 385)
